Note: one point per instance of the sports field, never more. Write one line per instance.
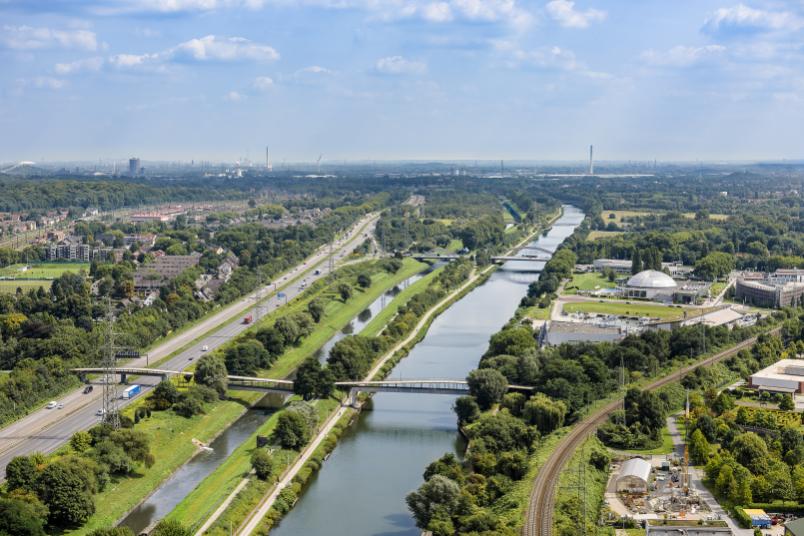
(626, 309)
(43, 270)
(10, 287)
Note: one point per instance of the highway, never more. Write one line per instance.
(539, 515)
(46, 429)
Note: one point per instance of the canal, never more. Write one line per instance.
(188, 476)
(361, 488)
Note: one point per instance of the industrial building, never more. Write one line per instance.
(770, 292)
(784, 376)
(693, 529)
(615, 265)
(634, 476)
(555, 332)
(153, 276)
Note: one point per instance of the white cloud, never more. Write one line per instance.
(129, 61)
(397, 65)
(314, 69)
(437, 12)
(263, 83)
(39, 82)
(683, 56)
(216, 48)
(88, 64)
(30, 38)
(234, 96)
(564, 12)
(747, 18)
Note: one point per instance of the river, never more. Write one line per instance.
(188, 476)
(361, 488)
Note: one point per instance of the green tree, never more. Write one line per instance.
(262, 463)
(363, 280)
(112, 531)
(316, 309)
(466, 409)
(168, 527)
(63, 488)
(313, 380)
(547, 414)
(211, 371)
(487, 386)
(292, 430)
(439, 495)
(81, 441)
(787, 403)
(517, 341)
(345, 292)
(636, 261)
(751, 451)
(714, 266)
(699, 447)
(21, 473)
(20, 518)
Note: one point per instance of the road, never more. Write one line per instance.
(539, 515)
(45, 430)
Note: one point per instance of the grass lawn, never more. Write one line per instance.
(45, 270)
(626, 309)
(666, 447)
(538, 313)
(620, 214)
(378, 323)
(337, 315)
(597, 235)
(10, 287)
(213, 490)
(587, 282)
(715, 217)
(171, 444)
(717, 287)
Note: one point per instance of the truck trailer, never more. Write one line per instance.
(132, 391)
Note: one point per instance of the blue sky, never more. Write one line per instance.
(394, 79)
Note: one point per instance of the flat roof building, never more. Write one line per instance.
(784, 376)
(769, 292)
(555, 332)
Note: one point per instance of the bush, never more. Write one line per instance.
(188, 406)
(262, 463)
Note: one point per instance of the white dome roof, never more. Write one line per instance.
(651, 279)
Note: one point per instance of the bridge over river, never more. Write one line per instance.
(271, 385)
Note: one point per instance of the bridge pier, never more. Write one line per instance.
(351, 400)
(124, 378)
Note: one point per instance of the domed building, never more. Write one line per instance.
(651, 285)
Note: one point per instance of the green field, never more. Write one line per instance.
(626, 309)
(587, 282)
(10, 287)
(598, 235)
(45, 270)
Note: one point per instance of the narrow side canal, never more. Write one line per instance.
(186, 478)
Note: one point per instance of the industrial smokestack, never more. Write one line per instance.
(591, 159)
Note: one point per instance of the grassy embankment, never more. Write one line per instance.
(203, 501)
(170, 434)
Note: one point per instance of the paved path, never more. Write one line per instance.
(45, 430)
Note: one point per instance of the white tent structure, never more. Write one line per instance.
(634, 476)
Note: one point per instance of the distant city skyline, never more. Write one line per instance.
(383, 80)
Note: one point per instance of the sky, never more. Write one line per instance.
(395, 79)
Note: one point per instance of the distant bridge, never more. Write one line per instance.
(519, 258)
(249, 383)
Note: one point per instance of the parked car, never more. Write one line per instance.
(88, 389)
(52, 404)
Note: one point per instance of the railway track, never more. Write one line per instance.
(539, 516)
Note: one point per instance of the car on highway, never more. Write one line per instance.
(60, 405)
(204, 348)
(52, 404)
(88, 389)
(100, 412)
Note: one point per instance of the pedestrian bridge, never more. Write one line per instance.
(271, 385)
(525, 257)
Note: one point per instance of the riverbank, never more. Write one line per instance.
(265, 515)
(170, 434)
